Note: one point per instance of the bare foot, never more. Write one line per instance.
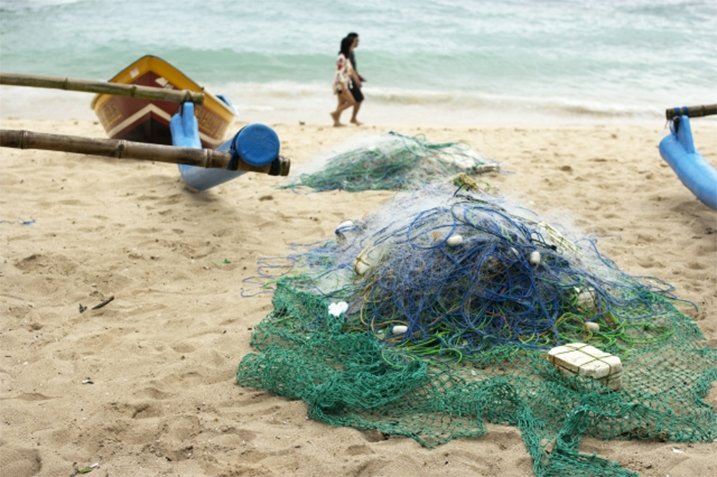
(335, 117)
(356, 122)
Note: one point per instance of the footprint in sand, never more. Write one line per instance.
(20, 462)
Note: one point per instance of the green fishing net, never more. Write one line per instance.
(392, 162)
(304, 353)
(477, 317)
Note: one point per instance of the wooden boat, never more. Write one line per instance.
(144, 120)
(176, 122)
(678, 150)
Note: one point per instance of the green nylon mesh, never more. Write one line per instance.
(393, 162)
(345, 378)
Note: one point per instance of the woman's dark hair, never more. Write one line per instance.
(346, 46)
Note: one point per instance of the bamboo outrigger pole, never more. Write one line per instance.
(101, 87)
(691, 111)
(121, 149)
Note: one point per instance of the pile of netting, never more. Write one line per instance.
(393, 162)
(434, 315)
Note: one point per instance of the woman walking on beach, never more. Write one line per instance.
(344, 74)
(355, 86)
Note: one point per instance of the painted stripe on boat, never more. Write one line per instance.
(150, 108)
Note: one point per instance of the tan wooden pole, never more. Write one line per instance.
(102, 87)
(121, 149)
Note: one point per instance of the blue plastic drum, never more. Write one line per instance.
(255, 144)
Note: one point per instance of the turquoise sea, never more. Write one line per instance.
(430, 62)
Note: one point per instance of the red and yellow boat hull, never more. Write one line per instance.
(144, 120)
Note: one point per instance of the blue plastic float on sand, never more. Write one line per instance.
(256, 144)
(678, 150)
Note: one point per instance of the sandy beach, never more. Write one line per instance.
(146, 385)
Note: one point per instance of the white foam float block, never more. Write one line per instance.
(585, 360)
(613, 382)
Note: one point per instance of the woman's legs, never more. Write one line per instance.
(357, 106)
(345, 101)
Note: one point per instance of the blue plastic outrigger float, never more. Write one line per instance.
(256, 145)
(678, 150)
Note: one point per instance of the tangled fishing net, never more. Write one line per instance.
(393, 162)
(434, 316)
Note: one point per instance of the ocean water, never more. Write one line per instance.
(456, 62)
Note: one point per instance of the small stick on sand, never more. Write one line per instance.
(103, 303)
